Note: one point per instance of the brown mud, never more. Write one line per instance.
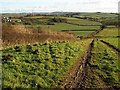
(76, 75)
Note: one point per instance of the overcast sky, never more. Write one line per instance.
(59, 5)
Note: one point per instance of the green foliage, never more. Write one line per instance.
(39, 65)
(105, 63)
(58, 20)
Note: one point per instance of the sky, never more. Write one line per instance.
(9, 6)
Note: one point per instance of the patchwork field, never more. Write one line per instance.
(70, 24)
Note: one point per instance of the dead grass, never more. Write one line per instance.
(18, 34)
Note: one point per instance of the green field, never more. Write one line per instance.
(104, 65)
(69, 20)
(64, 26)
(71, 24)
(109, 32)
(38, 17)
(98, 15)
(39, 65)
(68, 27)
(83, 22)
(82, 33)
(105, 18)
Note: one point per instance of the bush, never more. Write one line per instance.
(58, 20)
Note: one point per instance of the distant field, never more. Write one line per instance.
(82, 33)
(34, 17)
(13, 14)
(72, 24)
(64, 26)
(109, 32)
(83, 22)
(43, 17)
(69, 20)
(98, 15)
(77, 30)
(110, 19)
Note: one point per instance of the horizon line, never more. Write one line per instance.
(60, 12)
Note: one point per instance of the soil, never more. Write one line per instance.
(76, 76)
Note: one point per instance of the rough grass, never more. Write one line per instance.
(109, 32)
(40, 65)
(18, 34)
(104, 64)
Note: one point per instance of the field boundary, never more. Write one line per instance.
(111, 46)
(81, 25)
(92, 35)
(80, 30)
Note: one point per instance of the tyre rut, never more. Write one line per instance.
(77, 75)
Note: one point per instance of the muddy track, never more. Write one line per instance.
(96, 32)
(89, 79)
(111, 46)
(87, 59)
(76, 76)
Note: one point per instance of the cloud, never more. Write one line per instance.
(60, 5)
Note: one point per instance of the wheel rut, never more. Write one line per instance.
(76, 76)
(111, 46)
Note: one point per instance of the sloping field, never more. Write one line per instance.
(99, 15)
(82, 22)
(71, 24)
(64, 26)
(39, 65)
(19, 34)
(109, 32)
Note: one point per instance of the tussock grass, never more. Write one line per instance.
(19, 34)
